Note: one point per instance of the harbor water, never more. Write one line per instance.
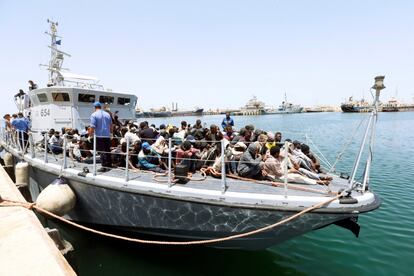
(385, 245)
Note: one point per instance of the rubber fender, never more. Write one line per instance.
(57, 197)
(21, 172)
(8, 159)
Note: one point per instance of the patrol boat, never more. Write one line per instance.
(143, 203)
(285, 108)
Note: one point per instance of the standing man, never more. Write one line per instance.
(21, 125)
(228, 121)
(7, 124)
(101, 125)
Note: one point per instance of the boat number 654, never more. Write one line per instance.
(44, 112)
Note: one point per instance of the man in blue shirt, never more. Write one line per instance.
(21, 125)
(228, 121)
(101, 125)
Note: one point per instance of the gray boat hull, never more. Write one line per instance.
(175, 219)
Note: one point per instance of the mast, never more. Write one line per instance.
(378, 86)
(56, 56)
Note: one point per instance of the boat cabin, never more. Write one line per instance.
(57, 107)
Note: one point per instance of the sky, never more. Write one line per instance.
(216, 54)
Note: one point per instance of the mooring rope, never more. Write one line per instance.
(30, 206)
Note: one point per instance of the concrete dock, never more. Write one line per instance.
(25, 247)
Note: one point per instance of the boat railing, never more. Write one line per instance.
(24, 144)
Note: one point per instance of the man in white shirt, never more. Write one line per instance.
(56, 143)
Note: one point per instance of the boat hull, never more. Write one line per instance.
(353, 108)
(177, 219)
(293, 111)
(197, 112)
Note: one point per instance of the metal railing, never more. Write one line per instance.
(12, 140)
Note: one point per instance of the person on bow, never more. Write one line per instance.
(227, 121)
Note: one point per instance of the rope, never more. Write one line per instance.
(346, 145)
(323, 159)
(11, 203)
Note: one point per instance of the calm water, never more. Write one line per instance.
(385, 245)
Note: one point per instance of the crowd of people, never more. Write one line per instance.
(249, 153)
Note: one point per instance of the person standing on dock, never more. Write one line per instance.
(101, 125)
(227, 121)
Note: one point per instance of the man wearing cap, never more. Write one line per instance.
(101, 126)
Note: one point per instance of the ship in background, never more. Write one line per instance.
(392, 105)
(252, 107)
(356, 106)
(153, 113)
(165, 112)
(285, 108)
(175, 112)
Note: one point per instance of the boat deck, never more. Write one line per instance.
(210, 183)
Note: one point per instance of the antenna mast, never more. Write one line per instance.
(56, 56)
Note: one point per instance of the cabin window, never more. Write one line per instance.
(124, 101)
(42, 97)
(60, 97)
(86, 98)
(106, 99)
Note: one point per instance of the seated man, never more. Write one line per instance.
(136, 149)
(214, 135)
(229, 133)
(251, 163)
(74, 150)
(187, 155)
(149, 160)
(129, 134)
(80, 150)
(236, 152)
(198, 124)
(56, 143)
(274, 169)
(315, 171)
(119, 155)
(147, 134)
(296, 154)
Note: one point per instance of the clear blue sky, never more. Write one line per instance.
(216, 53)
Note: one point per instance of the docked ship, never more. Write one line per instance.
(134, 201)
(175, 112)
(356, 106)
(252, 107)
(393, 105)
(285, 108)
(154, 113)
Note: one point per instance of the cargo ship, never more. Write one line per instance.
(356, 106)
